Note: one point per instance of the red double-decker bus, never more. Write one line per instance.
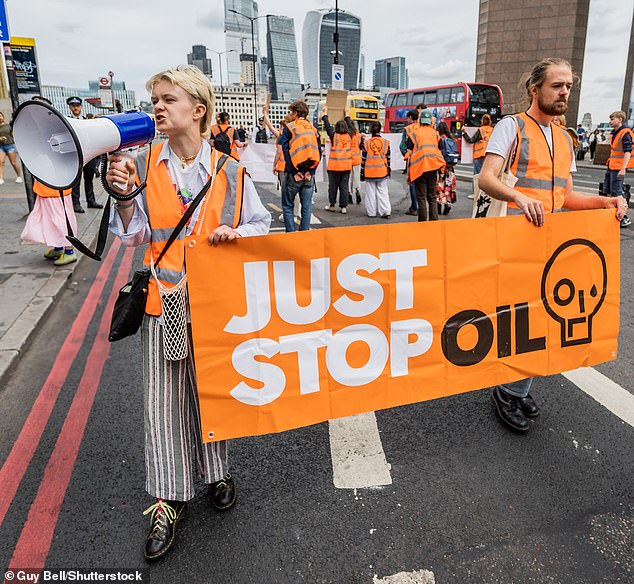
(457, 104)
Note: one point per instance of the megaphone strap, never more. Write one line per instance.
(101, 238)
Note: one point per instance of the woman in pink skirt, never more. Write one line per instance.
(47, 224)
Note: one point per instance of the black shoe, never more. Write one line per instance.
(528, 406)
(165, 518)
(94, 205)
(223, 493)
(411, 212)
(350, 200)
(626, 221)
(78, 209)
(508, 409)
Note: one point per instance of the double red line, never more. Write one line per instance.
(34, 543)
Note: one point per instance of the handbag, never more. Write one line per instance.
(486, 206)
(129, 308)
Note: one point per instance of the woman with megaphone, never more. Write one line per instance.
(182, 172)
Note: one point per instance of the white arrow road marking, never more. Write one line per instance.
(608, 393)
(420, 577)
(358, 460)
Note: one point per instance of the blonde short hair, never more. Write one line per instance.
(192, 80)
(618, 114)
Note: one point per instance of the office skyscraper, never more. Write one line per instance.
(238, 37)
(318, 47)
(198, 58)
(391, 73)
(282, 58)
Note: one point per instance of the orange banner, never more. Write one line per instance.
(293, 329)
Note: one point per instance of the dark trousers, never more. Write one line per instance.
(89, 175)
(338, 180)
(426, 187)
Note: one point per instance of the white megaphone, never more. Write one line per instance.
(55, 148)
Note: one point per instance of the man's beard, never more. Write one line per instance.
(552, 109)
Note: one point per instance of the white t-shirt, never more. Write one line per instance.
(503, 137)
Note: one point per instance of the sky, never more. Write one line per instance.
(78, 40)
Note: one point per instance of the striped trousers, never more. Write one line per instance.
(175, 455)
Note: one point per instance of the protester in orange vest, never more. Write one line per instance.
(175, 455)
(544, 158)
(480, 141)
(339, 163)
(355, 174)
(224, 137)
(412, 118)
(301, 148)
(620, 159)
(375, 170)
(425, 160)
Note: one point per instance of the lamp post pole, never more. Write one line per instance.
(219, 53)
(336, 35)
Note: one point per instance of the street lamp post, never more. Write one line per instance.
(252, 19)
(219, 53)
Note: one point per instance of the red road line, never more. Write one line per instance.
(19, 458)
(37, 534)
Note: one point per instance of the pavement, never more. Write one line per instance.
(30, 284)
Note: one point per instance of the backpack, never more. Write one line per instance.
(449, 150)
(261, 136)
(222, 143)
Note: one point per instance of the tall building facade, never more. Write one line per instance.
(198, 58)
(238, 36)
(58, 95)
(391, 73)
(282, 58)
(512, 38)
(318, 47)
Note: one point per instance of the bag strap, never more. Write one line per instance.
(190, 210)
(101, 239)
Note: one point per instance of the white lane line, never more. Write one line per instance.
(608, 393)
(358, 460)
(420, 577)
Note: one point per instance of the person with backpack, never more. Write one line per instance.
(302, 152)
(224, 138)
(260, 135)
(375, 170)
(447, 178)
(339, 163)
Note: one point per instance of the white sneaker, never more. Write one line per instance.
(330, 208)
(469, 196)
(344, 210)
(1, 181)
(19, 179)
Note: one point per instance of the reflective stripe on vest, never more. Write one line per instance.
(534, 164)
(480, 147)
(340, 153)
(425, 155)
(303, 143)
(376, 158)
(617, 155)
(47, 192)
(356, 149)
(222, 205)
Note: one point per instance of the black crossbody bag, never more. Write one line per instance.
(129, 307)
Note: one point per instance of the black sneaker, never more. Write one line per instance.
(508, 409)
(626, 221)
(223, 493)
(164, 520)
(528, 406)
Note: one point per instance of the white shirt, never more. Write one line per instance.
(503, 137)
(255, 219)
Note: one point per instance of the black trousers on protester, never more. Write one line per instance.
(89, 175)
(338, 180)
(426, 186)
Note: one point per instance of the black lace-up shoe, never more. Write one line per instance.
(528, 406)
(164, 520)
(223, 493)
(508, 409)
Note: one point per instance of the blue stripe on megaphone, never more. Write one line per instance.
(136, 128)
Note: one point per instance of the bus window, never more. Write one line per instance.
(457, 95)
(365, 104)
(443, 95)
(389, 101)
(430, 97)
(419, 98)
(401, 99)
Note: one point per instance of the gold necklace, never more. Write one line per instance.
(186, 159)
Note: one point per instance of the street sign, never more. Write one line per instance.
(337, 76)
(105, 95)
(24, 61)
(104, 83)
(4, 23)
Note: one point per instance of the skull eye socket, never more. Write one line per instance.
(564, 282)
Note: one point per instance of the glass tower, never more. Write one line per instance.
(282, 58)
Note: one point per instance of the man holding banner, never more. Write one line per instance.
(542, 158)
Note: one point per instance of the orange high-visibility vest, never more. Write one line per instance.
(376, 165)
(425, 154)
(302, 146)
(615, 162)
(231, 134)
(480, 147)
(43, 191)
(222, 205)
(540, 174)
(355, 149)
(340, 153)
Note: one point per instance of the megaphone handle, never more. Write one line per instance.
(126, 154)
